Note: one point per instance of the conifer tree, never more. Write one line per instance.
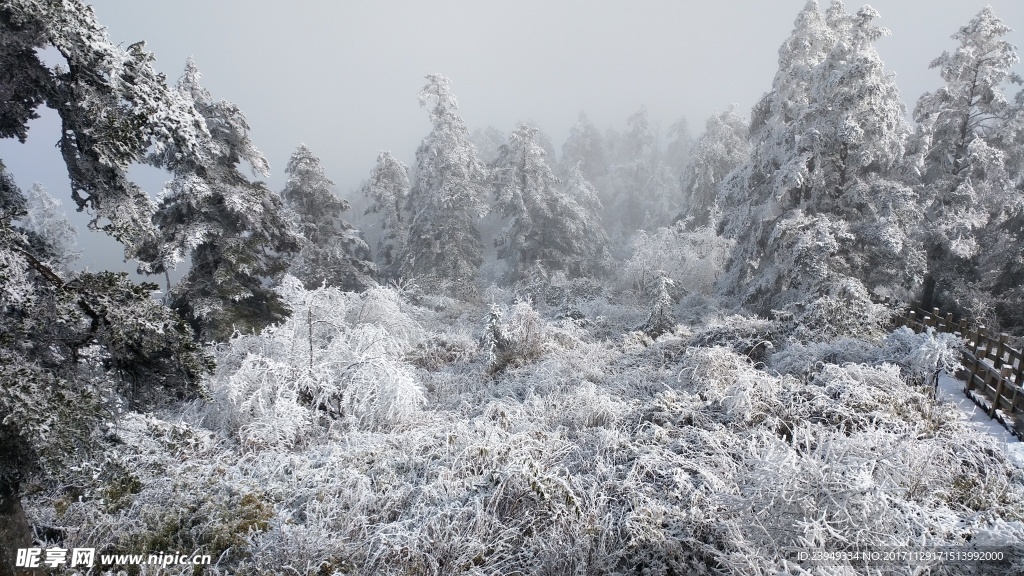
(678, 151)
(233, 229)
(962, 155)
(545, 142)
(584, 149)
(45, 220)
(1001, 261)
(333, 252)
(446, 197)
(388, 191)
(69, 341)
(545, 225)
(722, 147)
(75, 348)
(640, 189)
(819, 212)
(114, 109)
(487, 142)
(591, 251)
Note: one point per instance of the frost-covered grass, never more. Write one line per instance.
(369, 435)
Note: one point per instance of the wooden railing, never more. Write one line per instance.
(993, 370)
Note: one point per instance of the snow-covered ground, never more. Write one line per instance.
(952, 390)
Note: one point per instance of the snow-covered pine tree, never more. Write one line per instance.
(661, 318)
(333, 252)
(641, 140)
(818, 211)
(961, 153)
(545, 225)
(487, 142)
(523, 189)
(74, 350)
(44, 218)
(591, 254)
(545, 142)
(232, 228)
(114, 108)
(722, 147)
(678, 151)
(388, 191)
(774, 126)
(1002, 242)
(584, 149)
(446, 198)
(640, 190)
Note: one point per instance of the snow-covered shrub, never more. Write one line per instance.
(519, 335)
(448, 288)
(755, 338)
(340, 355)
(383, 307)
(820, 492)
(494, 294)
(802, 359)
(841, 459)
(922, 355)
(610, 315)
(724, 377)
(692, 260)
(675, 455)
(844, 308)
(662, 319)
(264, 396)
(919, 356)
(586, 407)
(554, 293)
(585, 460)
(180, 490)
(697, 309)
(635, 341)
(444, 348)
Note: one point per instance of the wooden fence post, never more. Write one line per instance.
(979, 337)
(1000, 386)
(1001, 350)
(962, 331)
(989, 345)
(997, 386)
(1013, 399)
(976, 367)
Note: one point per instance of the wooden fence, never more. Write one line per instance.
(993, 370)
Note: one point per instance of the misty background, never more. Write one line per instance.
(342, 77)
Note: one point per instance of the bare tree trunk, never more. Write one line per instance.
(15, 531)
(928, 292)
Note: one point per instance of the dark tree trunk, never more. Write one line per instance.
(15, 531)
(928, 292)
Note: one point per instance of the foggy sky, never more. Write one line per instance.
(342, 76)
